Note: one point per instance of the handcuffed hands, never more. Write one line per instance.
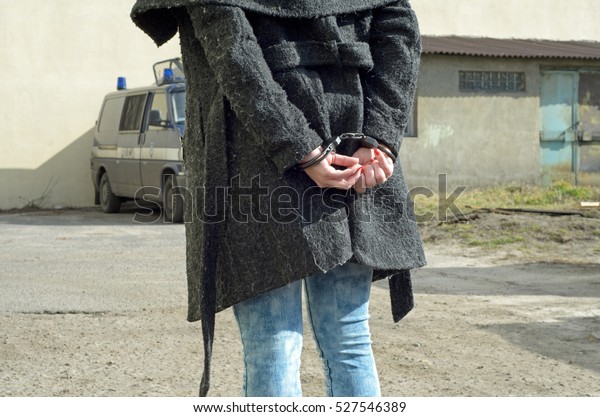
(363, 170)
(325, 174)
(376, 169)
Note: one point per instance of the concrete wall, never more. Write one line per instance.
(59, 58)
(474, 138)
(479, 139)
(523, 19)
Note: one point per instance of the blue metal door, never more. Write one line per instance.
(558, 109)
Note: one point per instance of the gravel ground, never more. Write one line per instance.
(94, 305)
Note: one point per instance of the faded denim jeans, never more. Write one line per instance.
(271, 331)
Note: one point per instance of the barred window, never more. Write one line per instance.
(491, 81)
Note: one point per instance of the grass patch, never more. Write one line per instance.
(560, 196)
(496, 242)
(524, 234)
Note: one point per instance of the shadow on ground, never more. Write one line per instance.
(573, 340)
(535, 304)
(535, 279)
(130, 214)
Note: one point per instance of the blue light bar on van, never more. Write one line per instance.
(121, 83)
(168, 75)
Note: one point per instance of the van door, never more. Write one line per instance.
(127, 179)
(154, 148)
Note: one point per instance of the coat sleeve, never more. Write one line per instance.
(260, 103)
(390, 86)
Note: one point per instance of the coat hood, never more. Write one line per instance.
(155, 18)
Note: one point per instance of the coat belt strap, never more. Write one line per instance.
(289, 55)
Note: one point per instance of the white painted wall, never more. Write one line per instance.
(521, 19)
(58, 60)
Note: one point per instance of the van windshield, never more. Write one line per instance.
(178, 98)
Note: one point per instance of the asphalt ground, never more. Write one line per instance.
(86, 261)
(93, 304)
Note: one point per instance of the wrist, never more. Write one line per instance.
(319, 155)
(311, 155)
(388, 151)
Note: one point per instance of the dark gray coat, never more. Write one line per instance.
(267, 82)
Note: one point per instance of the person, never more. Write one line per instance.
(295, 117)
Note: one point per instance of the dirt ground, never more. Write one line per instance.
(509, 305)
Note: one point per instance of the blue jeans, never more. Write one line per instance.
(271, 330)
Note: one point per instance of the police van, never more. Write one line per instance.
(137, 152)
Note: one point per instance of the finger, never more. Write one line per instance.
(325, 175)
(369, 174)
(378, 172)
(344, 160)
(331, 177)
(347, 179)
(357, 174)
(346, 182)
(343, 184)
(338, 174)
(380, 176)
(331, 158)
(360, 187)
(349, 182)
(363, 155)
(386, 163)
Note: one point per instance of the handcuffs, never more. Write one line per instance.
(364, 140)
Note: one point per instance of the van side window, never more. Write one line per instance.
(159, 113)
(133, 111)
(111, 115)
(178, 98)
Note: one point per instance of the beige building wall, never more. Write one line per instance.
(479, 138)
(521, 19)
(58, 60)
(473, 138)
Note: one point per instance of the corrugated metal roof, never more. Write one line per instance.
(510, 48)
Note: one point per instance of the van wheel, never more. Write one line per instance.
(172, 202)
(109, 202)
